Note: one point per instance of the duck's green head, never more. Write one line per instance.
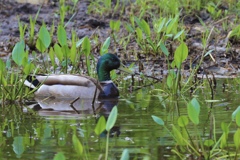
(105, 64)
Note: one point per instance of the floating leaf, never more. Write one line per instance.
(112, 118)
(158, 120)
(101, 125)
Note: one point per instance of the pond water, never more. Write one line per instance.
(33, 133)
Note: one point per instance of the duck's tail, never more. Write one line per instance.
(31, 82)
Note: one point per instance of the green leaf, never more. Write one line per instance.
(2, 66)
(58, 52)
(104, 48)
(180, 54)
(235, 113)
(51, 56)
(77, 145)
(62, 35)
(194, 110)
(146, 28)
(125, 155)
(28, 68)
(78, 44)
(44, 36)
(178, 34)
(139, 34)
(158, 120)
(86, 46)
(18, 145)
(18, 53)
(59, 156)
(208, 142)
(183, 121)
(238, 119)
(40, 46)
(101, 125)
(161, 25)
(112, 118)
(164, 49)
(115, 25)
(236, 139)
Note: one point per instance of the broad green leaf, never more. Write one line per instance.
(18, 145)
(125, 155)
(65, 51)
(59, 156)
(158, 120)
(28, 68)
(194, 110)
(101, 125)
(86, 46)
(58, 52)
(208, 142)
(18, 53)
(172, 25)
(77, 145)
(105, 46)
(180, 54)
(183, 121)
(40, 46)
(236, 139)
(44, 36)
(62, 35)
(112, 118)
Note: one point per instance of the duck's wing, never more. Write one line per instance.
(33, 81)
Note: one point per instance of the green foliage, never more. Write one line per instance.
(193, 111)
(101, 125)
(112, 118)
(59, 156)
(77, 145)
(105, 46)
(43, 40)
(125, 155)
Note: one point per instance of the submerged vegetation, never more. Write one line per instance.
(147, 35)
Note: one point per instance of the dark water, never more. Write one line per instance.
(30, 134)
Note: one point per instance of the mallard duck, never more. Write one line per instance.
(73, 86)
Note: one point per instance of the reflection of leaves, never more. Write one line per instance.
(18, 145)
(59, 156)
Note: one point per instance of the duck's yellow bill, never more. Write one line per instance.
(125, 69)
